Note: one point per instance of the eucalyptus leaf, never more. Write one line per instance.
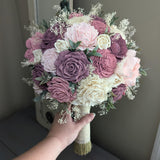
(94, 53)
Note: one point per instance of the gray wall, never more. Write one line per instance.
(130, 130)
(14, 94)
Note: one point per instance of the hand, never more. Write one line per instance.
(68, 132)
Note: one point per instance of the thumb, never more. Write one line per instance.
(85, 120)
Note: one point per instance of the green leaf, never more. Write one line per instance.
(94, 53)
(106, 30)
(143, 72)
(38, 78)
(74, 45)
(71, 43)
(113, 20)
(95, 49)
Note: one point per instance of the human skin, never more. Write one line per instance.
(58, 138)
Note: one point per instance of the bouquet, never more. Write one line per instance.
(83, 60)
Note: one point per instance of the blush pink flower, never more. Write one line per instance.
(74, 14)
(59, 90)
(48, 59)
(83, 32)
(105, 65)
(128, 68)
(33, 43)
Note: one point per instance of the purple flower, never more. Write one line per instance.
(72, 66)
(49, 37)
(118, 46)
(37, 72)
(118, 92)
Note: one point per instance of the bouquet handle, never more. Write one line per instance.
(82, 145)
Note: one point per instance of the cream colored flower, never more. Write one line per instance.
(103, 41)
(85, 19)
(91, 91)
(114, 29)
(37, 55)
(61, 45)
(37, 90)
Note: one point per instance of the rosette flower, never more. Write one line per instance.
(48, 59)
(72, 66)
(50, 37)
(91, 91)
(74, 14)
(105, 65)
(128, 68)
(32, 44)
(99, 24)
(83, 32)
(38, 72)
(118, 46)
(118, 92)
(59, 90)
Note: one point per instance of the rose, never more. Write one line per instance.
(83, 32)
(37, 55)
(91, 91)
(99, 24)
(59, 90)
(32, 44)
(103, 41)
(118, 92)
(72, 66)
(48, 59)
(50, 37)
(128, 68)
(61, 45)
(105, 65)
(74, 14)
(118, 46)
(38, 72)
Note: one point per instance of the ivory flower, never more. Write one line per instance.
(91, 91)
(103, 41)
(37, 55)
(61, 45)
(84, 19)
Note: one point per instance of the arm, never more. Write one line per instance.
(59, 137)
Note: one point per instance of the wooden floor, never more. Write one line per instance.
(21, 131)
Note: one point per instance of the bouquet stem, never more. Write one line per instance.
(83, 144)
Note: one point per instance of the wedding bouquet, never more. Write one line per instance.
(83, 60)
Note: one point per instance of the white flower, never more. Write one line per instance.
(61, 45)
(37, 90)
(37, 55)
(103, 41)
(85, 19)
(129, 94)
(114, 29)
(91, 91)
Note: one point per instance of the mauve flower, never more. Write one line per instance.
(38, 72)
(33, 43)
(99, 24)
(72, 66)
(118, 46)
(119, 92)
(105, 65)
(83, 32)
(48, 59)
(74, 14)
(49, 37)
(128, 68)
(59, 89)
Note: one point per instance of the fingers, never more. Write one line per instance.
(85, 120)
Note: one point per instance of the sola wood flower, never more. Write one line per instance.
(72, 66)
(59, 90)
(105, 65)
